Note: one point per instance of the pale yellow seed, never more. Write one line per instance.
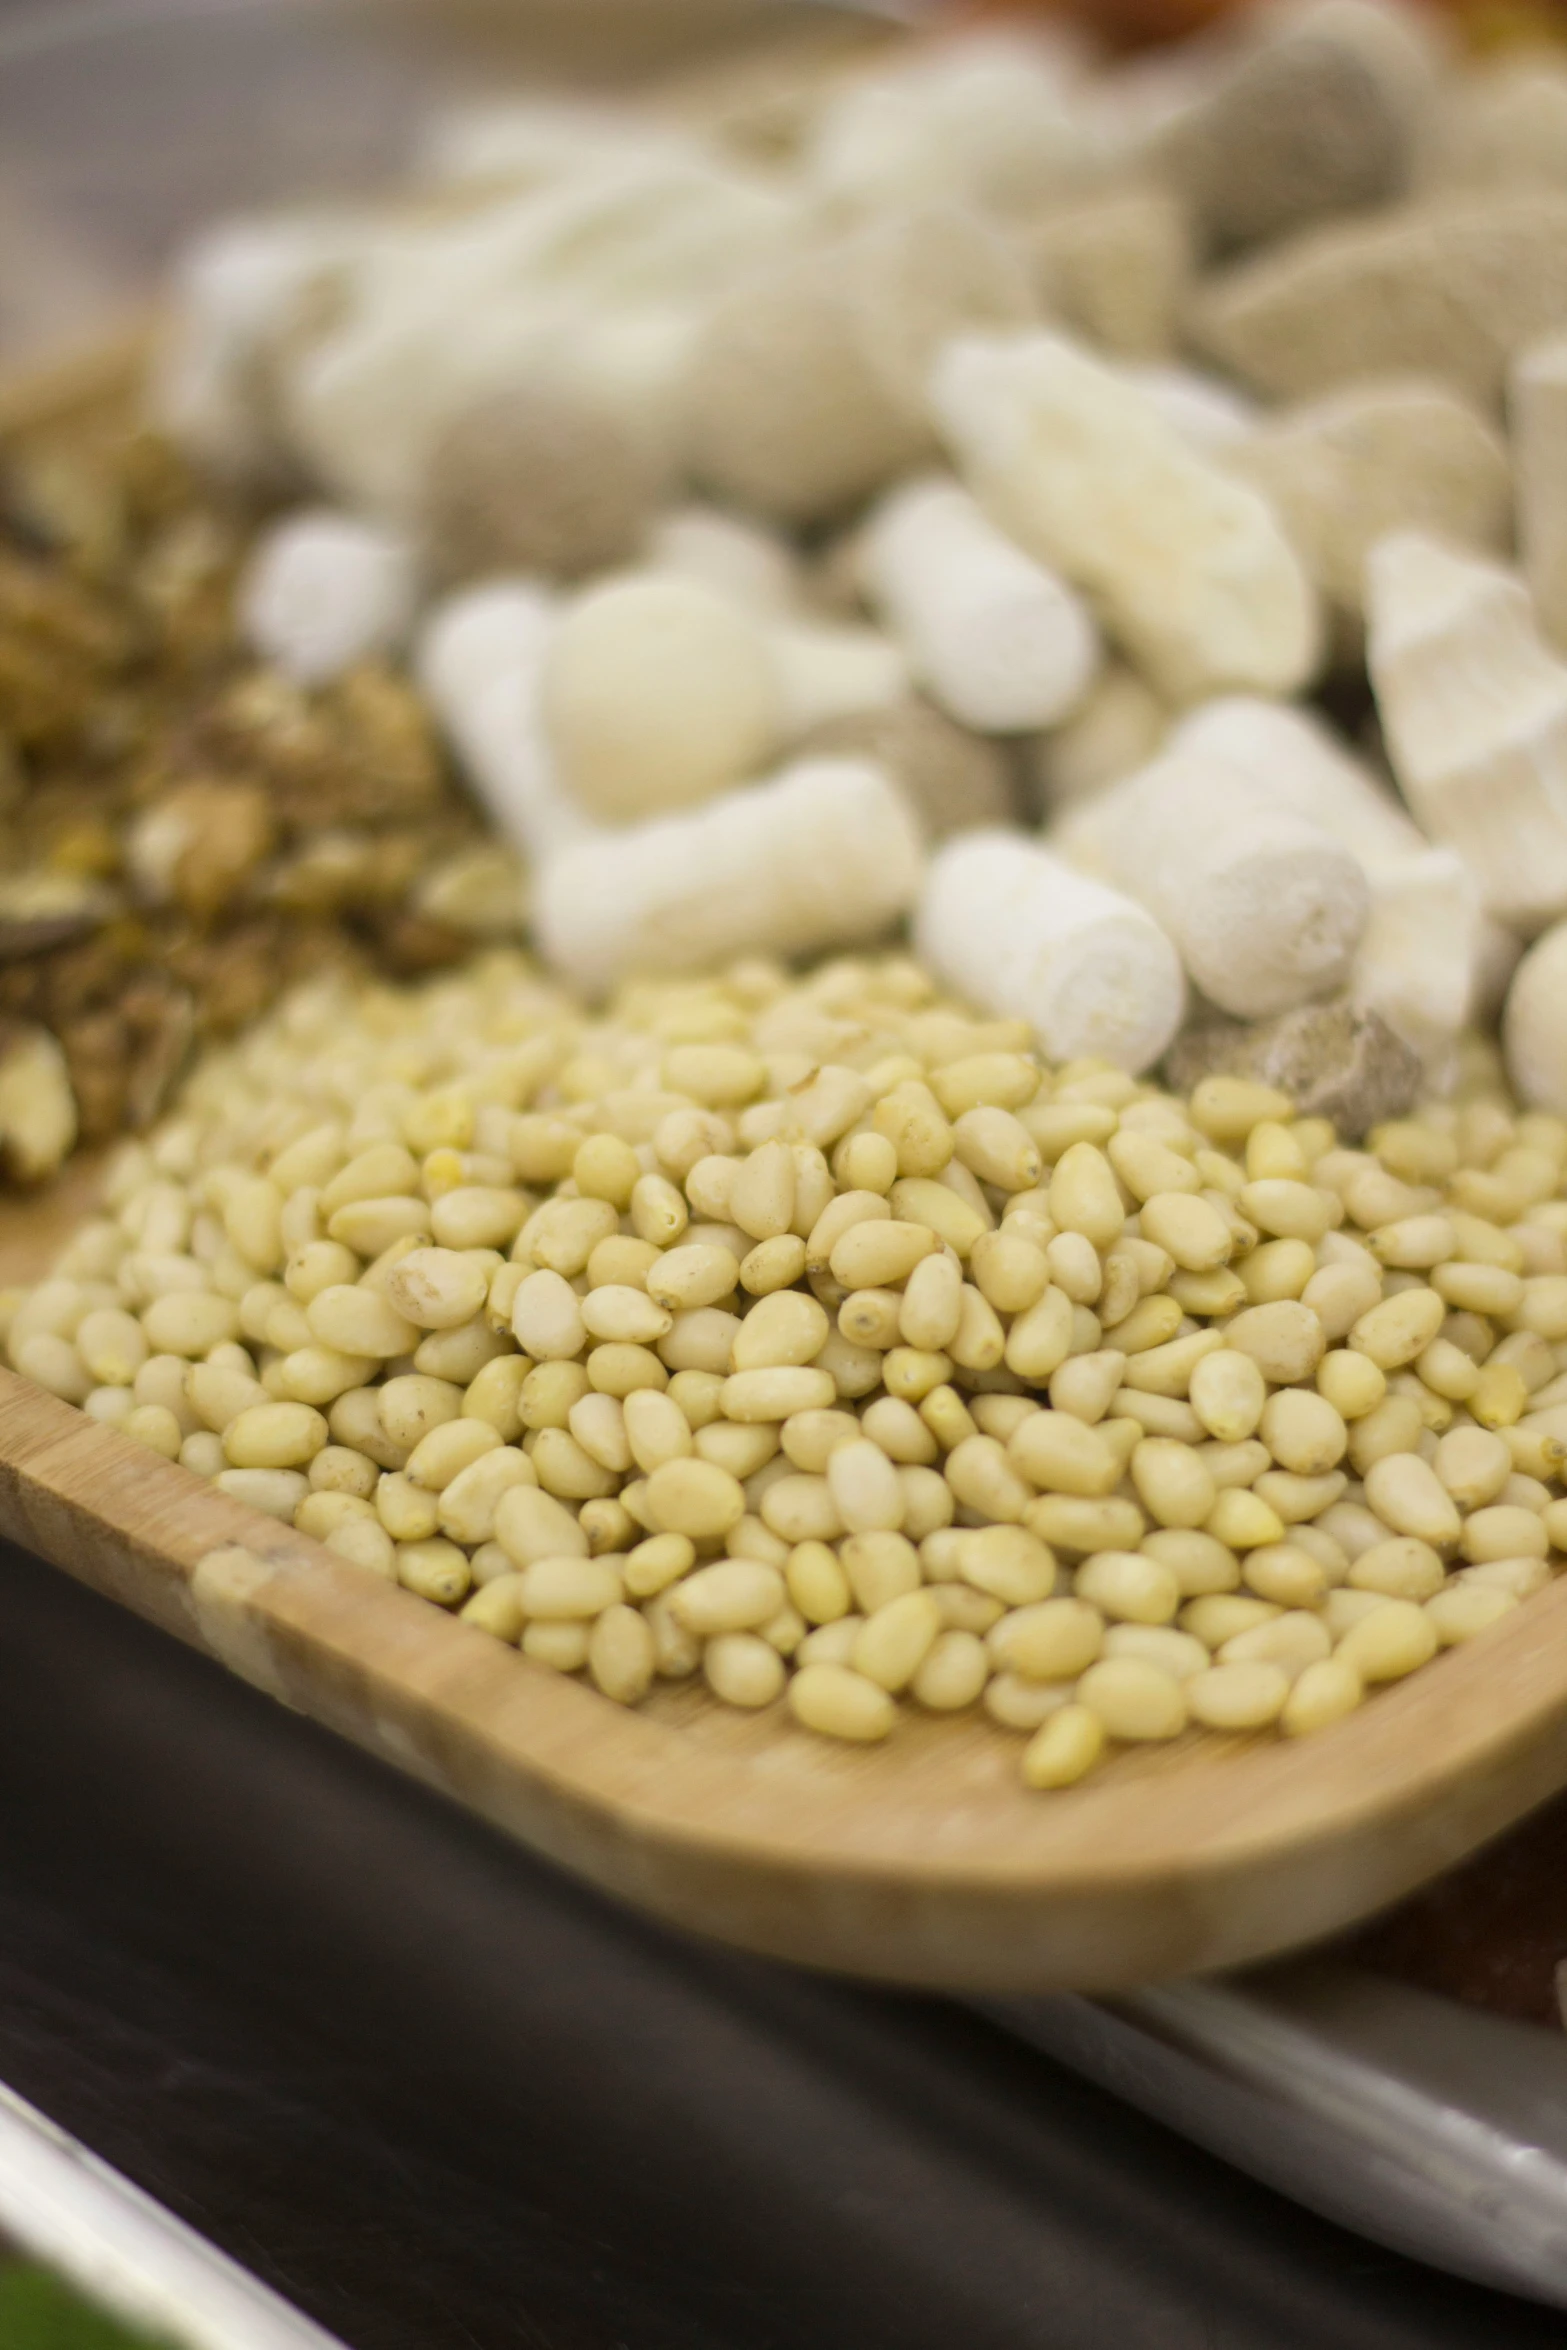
(1053, 1640)
(1402, 1568)
(696, 1498)
(569, 1588)
(931, 1310)
(1129, 1587)
(1522, 1577)
(1303, 1432)
(436, 1569)
(1394, 1639)
(1500, 1396)
(774, 1395)
(817, 1584)
(1291, 1639)
(1407, 1495)
(953, 1673)
(1133, 1700)
(1220, 1616)
(892, 1644)
(1238, 1697)
(652, 1566)
(496, 1607)
(1059, 1453)
(470, 1499)
(274, 1436)
(365, 1543)
(359, 1321)
(1285, 1340)
(743, 1670)
(773, 1265)
(1065, 1748)
(112, 1345)
(562, 1646)
(622, 1316)
(839, 1703)
(1173, 1483)
(697, 1273)
(1041, 1338)
(188, 1322)
(1286, 1574)
(1351, 1383)
(1323, 1693)
(787, 1330)
(1007, 1563)
(1243, 1521)
(442, 1455)
(154, 1426)
(657, 1430)
(277, 1493)
(1503, 1532)
(981, 1476)
(879, 1255)
(531, 1524)
(734, 1595)
(1468, 1610)
(1400, 1328)
(1198, 1562)
(1085, 1197)
(1069, 1523)
(1010, 1271)
(437, 1288)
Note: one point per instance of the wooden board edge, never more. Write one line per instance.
(647, 1814)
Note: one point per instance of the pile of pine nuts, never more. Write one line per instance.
(808, 1334)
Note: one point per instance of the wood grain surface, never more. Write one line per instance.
(923, 1861)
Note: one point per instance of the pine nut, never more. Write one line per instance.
(1407, 1495)
(1322, 1695)
(1466, 1611)
(1402, 1568)
(1394, 1639)
(1129, 1587)
(735, 1595)
(1008, 1564)
(1133, 1700)
(743, 1670)
(786, 1330)
(694, 1497)
(892, 1644)
(1172, 1482)
(274, 1436)
(1051, 1640)
(839, 1703)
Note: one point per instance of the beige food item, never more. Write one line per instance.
(1538, 411)
(1474, 714)
(655, 692)
(1450, 288)
(1266, 907)
(806, 391)
(996, 639)
(1317, 116)
(1086, 968)
(538, 477)
(1375, 457)
(1188, 566)
(1114, 266)
(825, 853)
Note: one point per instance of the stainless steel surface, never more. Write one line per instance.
(127, 124)
(1429, 2127)
(123, 2252)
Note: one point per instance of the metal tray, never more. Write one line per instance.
(1434, 2129)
